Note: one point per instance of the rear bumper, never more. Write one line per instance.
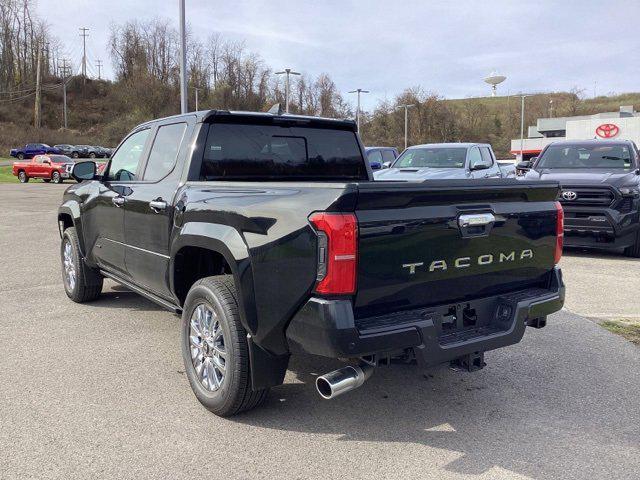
(328, 328)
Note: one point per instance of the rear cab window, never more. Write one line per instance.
(282, 152)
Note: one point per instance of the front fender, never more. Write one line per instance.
(228, 242)
(71, 209)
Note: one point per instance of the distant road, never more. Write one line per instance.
(5, 162)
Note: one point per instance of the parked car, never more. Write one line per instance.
(89, 151)
(30, 150)
(268, 235)
(600, 191)
(50, 168)
(445, 161)
(379, 156)
(69, 150)
(104, 152)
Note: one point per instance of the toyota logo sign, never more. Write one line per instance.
(607, 130)
(569, 195)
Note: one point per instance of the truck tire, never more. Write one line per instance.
(81, 283)
(215, 350)
(75, 155)
(22, 176)
(92, 155)
(634, 250)
(21, 156)
(55, 177)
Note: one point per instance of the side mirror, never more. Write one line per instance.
(46, 162)
(84, 171)
(524, 165)
(478, 166)
(375, 165)
(386, 165)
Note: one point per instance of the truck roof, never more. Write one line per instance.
(204, 115)
(450, 145)
(592, 141)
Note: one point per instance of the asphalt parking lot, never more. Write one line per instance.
(98, 390)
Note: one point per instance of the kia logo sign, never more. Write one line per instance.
(569, 195)
(607, 130)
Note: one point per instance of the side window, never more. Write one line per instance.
(124, 163)
(164, 151)
(374, 156)
(388, 156)
(486, 156)
(475, 158)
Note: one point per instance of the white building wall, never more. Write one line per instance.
(586, 129)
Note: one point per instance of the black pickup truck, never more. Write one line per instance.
(268, 234)
(600, 191)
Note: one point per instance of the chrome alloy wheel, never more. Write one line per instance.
(206, 343)
(69, 265)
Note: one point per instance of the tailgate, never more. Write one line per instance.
(448, 241)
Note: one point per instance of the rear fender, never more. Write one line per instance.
(226, 241)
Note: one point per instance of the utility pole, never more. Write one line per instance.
(183, 59)
(84, 36)
(406, 121)
(64, 91)
(287, 86)
(522, 97)
(551, 108)
(197, 90)
(99, 65)
(37, 115)
(358, 91)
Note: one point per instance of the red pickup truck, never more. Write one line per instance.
(50, 168)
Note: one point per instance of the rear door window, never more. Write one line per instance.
(388, 156)
(164, 151)
(281, 152)
(487, 159)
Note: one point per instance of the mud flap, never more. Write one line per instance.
(267, 370)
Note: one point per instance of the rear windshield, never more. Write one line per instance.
(432, 158)
(586, 156)
(275, 152)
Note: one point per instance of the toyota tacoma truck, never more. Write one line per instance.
(600, 191)
(268, 235)
(50, 168)
(433, 161)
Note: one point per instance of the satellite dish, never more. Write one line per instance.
(493, 79)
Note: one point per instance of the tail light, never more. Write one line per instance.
(559, 232)
(337, 252)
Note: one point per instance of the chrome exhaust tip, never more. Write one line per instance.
(343, 380)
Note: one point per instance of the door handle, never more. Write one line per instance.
(118, 201)
(158, 205)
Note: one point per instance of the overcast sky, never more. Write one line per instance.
(385, 46)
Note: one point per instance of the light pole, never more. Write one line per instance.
(183, 60)
(522, 97)
(197, 90)
(358, 91)
(287, 72)
(406, 120)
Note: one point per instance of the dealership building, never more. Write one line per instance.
(623, 124)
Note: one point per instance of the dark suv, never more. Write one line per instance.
(600, 191)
